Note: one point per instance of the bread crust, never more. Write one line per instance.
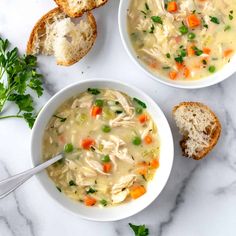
(214, 136)
(63, 5)
(41, 26)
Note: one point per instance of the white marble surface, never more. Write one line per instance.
(200, 197)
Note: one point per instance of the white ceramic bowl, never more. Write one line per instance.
(215, 78)
(154, 187)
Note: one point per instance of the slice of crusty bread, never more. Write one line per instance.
(56, 34)
(75, 8)
(199, 126)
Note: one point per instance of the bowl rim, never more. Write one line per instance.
(224, 73)
(40, 122)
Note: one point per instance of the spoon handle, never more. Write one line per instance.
(10, 184)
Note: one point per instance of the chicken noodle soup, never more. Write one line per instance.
(183, 39)
(111, 147)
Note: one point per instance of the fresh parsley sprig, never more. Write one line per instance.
(139, 230)
(18, 75)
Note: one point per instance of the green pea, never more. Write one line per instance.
(137, 141)
(212, 69)
(99, 102)
(138, 110)
(105, 158)
(183, 29)
(68, 148)
(106, 128)
(191, 36)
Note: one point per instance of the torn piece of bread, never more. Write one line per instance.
(56, 34)
(199, 126)
(75, 8)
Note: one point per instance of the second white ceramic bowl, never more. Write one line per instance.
(154, 187)
(215, 78)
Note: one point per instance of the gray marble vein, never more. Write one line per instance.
(14, 224)
(179, 200)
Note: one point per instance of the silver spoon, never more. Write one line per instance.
(10, 184)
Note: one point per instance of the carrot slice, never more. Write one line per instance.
(227, 52)
(154, 163)
(193, 21)
(137, 191)
(172, 6)
(87, 143)
(143, 118)
(96, 111)
(186, 72)
(89, 201)
(190, 50)
(143, 163)
(142, 171)
(180, 66)
(173, 74)
(107, 167)
(207, 50)
(153, 65)
(148, 139)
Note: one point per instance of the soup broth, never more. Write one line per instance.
(111, 147)
(183, 39)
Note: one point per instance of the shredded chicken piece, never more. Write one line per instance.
(87, 172)
(84, 181)
(96, 166)
(147, 130)
(124, 103)
(120, 197)
(123, 155)
(83, 102)
(123, 183)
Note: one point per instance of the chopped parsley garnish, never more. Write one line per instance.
(93, 91)
(197, 51)
(118, 112)
(151, 31)
(59, 189)
(204, 62)
(91, 190)
(147, 7)
(60, 118)
(157, 19)
(179, 59)
(139, 102)
(139, 230)
(165, 67)
(72, 183)
(168, 55)
(227, 27)
(215, 20)
(103, 202)
(183, 53)
(231, 17)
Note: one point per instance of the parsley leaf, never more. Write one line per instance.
(215, 20)
(139, 230)
(151, 31)
(157, 19)
(18, 75)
